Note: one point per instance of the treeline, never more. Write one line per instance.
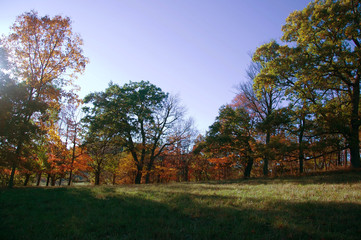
(298, 111)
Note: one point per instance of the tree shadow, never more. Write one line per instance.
(105, 213)
(331, 177)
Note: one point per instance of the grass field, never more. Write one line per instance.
(326, 206)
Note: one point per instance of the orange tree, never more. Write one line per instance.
(47, 56)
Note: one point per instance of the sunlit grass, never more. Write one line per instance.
(316, 207)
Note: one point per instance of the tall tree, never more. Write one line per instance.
(45, 55)
(322, 59)
(262, 102)
(298, 110)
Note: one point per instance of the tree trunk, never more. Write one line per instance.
(48, 180)
(265, 159)
(60, 181)
(354, 141)
(52, 180)
(27, 177)
(147, 177)
(12, 175)
(39, 179)
(72, 158)
(149, 168)
(70, 176)
(15, 163)
(301, 155)
(97, 178)
(138, 177)
(249, 164)
(114, 178)
(248, 169)
(354, 147)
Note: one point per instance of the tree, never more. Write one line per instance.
(200, 165)
(141, 116)
(298, 110)
(169, 129)
(321, 60)
(14, 107)
(71, 119)
(45, 56)
(180, 154)
(262, 102)
(99, 144)
(231, 134)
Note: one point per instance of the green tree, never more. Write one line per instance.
(14, 108)
(101, 145)
(321, 61)
(231, 133)
(298, 111)
(142, 116)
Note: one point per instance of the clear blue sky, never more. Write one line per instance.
(198, 49)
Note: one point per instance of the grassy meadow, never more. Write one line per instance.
(325, 206)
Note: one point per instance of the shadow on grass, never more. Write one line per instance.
(105, 213)
(331, 177)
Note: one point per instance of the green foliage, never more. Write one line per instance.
(231, 136)
(140, 117)
(124, 110)
(319, 66)
(15, 108)
(233, 127)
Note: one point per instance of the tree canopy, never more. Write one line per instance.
(320, 63)
(143, 118)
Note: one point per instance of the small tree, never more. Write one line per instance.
(232, 135)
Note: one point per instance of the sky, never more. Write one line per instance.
(196, 49)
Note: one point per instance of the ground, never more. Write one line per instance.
(323, 206)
